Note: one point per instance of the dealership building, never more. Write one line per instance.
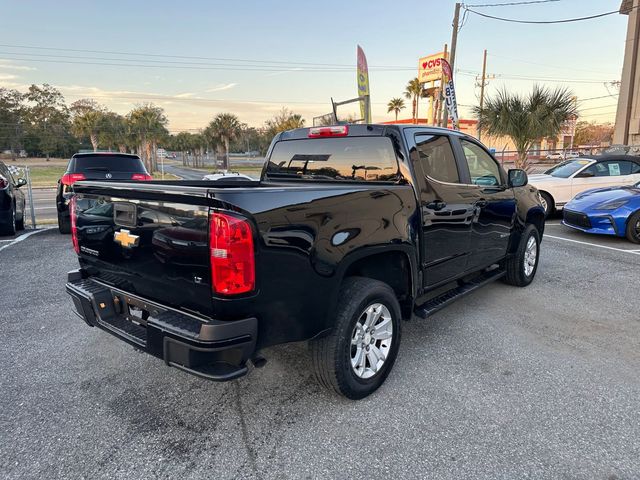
(627, 129)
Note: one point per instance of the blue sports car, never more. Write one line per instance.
(608, 211)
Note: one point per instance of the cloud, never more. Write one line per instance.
(221, 87)
(7, 65)
(7, 76)
(184, 95)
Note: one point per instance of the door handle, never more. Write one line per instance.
(481, 203)
(436, 205)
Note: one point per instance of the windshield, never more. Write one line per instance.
(348, 158)
(568, 168)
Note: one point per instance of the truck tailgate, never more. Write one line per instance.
(147, 239)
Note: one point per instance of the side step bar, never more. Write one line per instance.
(432, 306)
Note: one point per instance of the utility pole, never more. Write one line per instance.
(452, 59)
(482, 80)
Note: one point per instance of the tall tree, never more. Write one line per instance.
(88, 120)
(114, 132)
(147, 123)
(526, 119)
(48, 117)
(414, 91)
(395, 105)
(11, 120)
(225, 127)
(284, 120)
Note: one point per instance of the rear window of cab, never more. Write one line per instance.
(361, 159)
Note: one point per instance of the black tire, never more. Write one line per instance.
(515, 265)
(331, 355)
(20, 223)
(549, 202)
(633, 228)
(64, 223)
(9, 227)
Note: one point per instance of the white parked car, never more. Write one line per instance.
(225, 175)
(555, 156)
(564, 181)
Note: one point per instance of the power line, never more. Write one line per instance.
(540, 64)
(530, 2)
(543, 22)
(110, 52)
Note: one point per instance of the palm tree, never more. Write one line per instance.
(414, 91)
(225, 127)
(87, 120)
(526, 119)
(147, 123)
(395, 105)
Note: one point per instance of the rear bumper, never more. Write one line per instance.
(212, 349)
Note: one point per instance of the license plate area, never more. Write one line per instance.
(135, 310)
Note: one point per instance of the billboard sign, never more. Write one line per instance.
(430, 68)
(363, 84)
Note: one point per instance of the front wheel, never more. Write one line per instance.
(64, 223)
(547, 203)
(633, 228)
(356, 358)
(522, 266)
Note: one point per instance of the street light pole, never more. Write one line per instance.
(452, 57)
(482, 80)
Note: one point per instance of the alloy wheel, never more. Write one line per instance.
(371, 340)
(530, 256)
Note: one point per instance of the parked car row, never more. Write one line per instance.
(599, 194)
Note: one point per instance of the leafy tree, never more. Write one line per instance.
(284, 120)
(11, 120)
(395, 105)
(48, 118)
(591, 133)
(526, 119)
(88, 120)
(414, 91)
(225, 127)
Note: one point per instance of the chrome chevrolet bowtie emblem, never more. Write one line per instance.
(124, 238)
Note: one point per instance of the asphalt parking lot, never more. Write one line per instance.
(540, 382)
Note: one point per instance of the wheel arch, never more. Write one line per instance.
(396, 266)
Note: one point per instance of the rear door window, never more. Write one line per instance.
(111, 163)
(367, 159)
(436, 158)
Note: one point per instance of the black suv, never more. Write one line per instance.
(95, 166)
(11, 202)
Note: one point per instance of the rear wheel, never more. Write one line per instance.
(633, 228)
(20, 223)
(547, 203)
(355, 359)
(522, 266)
(64, 223)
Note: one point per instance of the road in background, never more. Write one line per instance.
(44, 203)
(537, 382)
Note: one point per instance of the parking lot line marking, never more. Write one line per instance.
(633, 252)
(22, 237)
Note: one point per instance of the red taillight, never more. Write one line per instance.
(232, 256)
(4, 183)
(334, 131)
(142, 177)
(71, 178)
(74, 229)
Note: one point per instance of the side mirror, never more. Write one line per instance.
(517, 178)
(21, 182)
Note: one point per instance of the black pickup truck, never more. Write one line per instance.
(350, 229)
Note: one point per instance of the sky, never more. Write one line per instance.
(199, 58)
